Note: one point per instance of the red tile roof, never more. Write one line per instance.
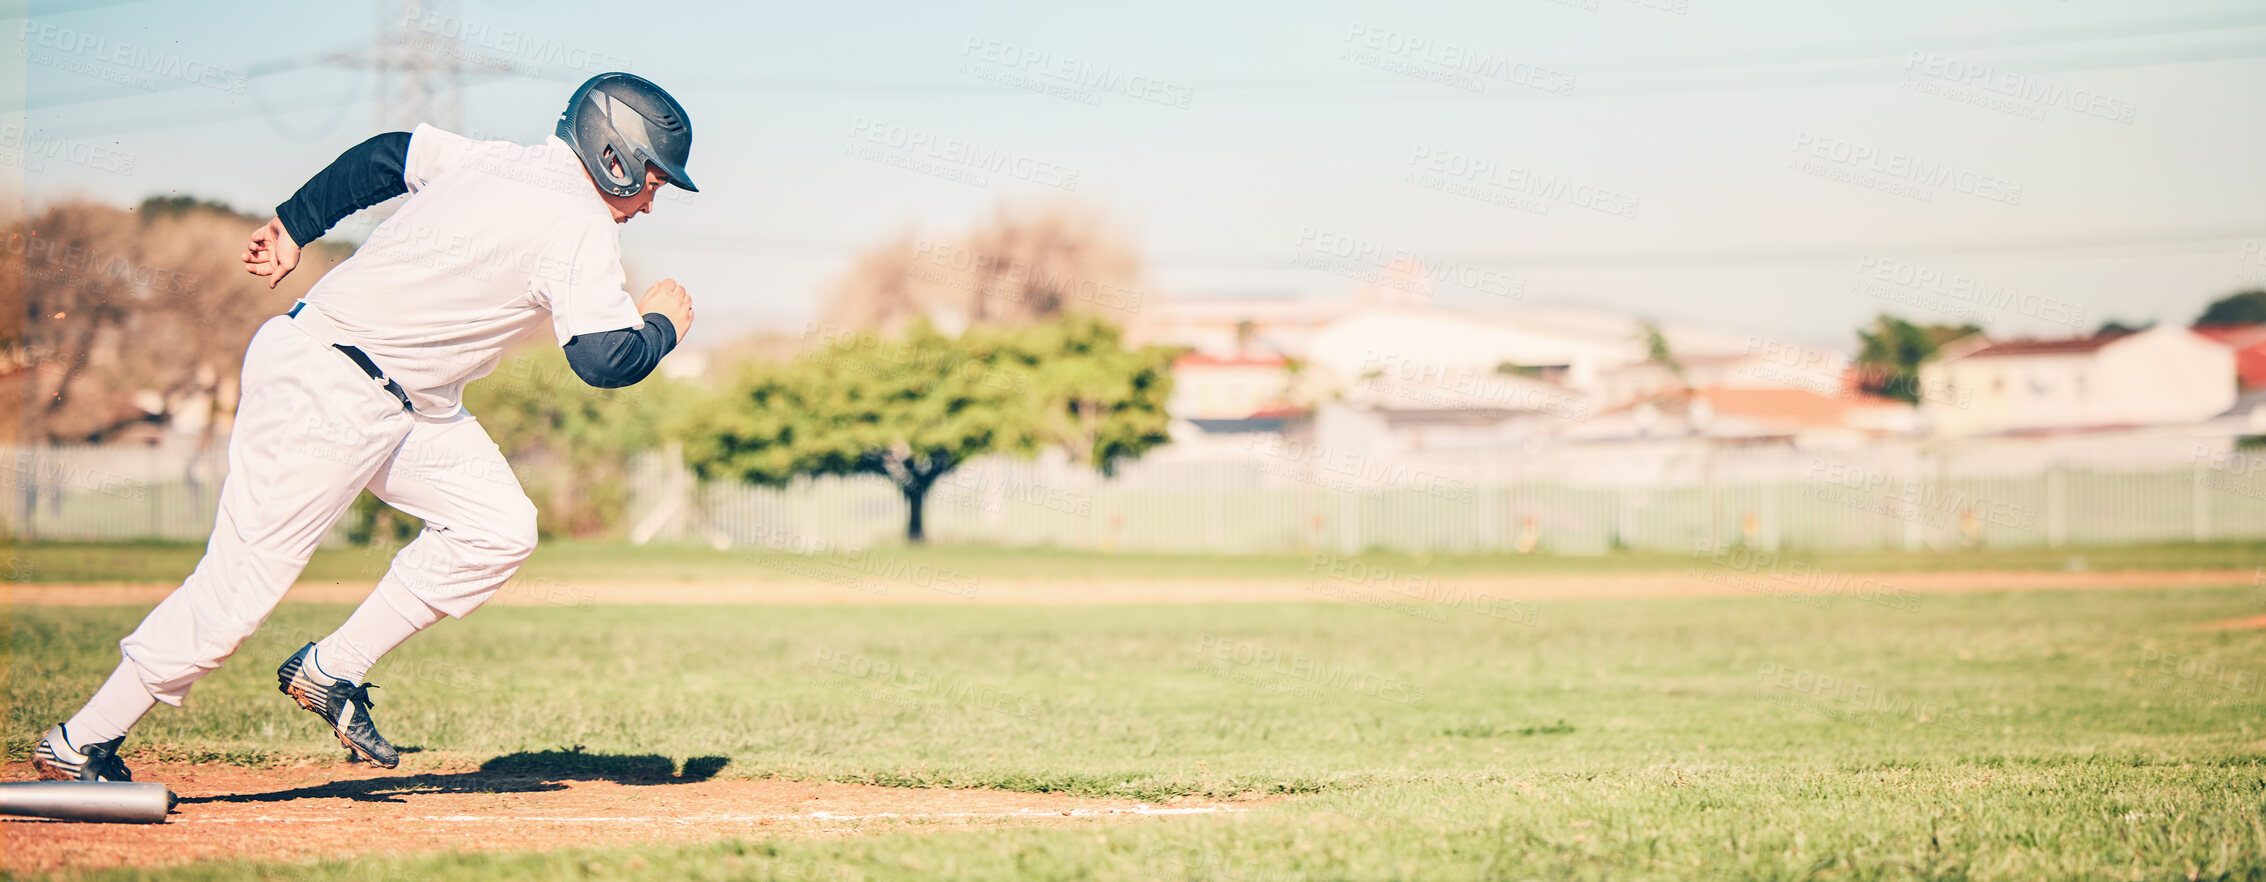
(2072, 346)
(2238, 336)
(2249, 344)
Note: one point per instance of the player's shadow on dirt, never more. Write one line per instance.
(536, 772)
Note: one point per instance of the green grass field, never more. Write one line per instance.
(1982, 736)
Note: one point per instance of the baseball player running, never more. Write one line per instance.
(359, 386)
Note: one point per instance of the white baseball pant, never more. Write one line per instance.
(312, 430)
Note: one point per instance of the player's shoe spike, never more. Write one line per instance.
(56, 761)
(345, 706)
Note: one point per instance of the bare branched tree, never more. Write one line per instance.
(1021, 265)
(882, 290)
(135, 316)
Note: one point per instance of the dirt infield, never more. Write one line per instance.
(518, 803)
(1698, 581)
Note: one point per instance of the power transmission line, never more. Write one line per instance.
(1652, 76)
(420, 77)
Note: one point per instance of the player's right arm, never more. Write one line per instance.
(366, 174)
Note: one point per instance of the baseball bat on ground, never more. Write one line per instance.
(112, 802)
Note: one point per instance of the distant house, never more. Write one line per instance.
(2248, 416)
(1356, 342)
(2249, 345)
(1229, 327)
(2161, 376)
(1356, 430)
(1771, 366)
(1800, 417)
(1570, 348)
(1211, 387)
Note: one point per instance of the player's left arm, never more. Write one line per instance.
(366, 174)
(609, 339)
(622, 357)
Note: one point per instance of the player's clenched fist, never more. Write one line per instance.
(670, 300)
(272, 253)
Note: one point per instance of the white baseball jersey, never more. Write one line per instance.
(495, 240)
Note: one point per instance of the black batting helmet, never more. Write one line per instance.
(619, 118)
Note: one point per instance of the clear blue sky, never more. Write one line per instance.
(1704, 116)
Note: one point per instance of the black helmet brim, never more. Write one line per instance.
(675, 172)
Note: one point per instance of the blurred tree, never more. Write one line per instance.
(2118, 327)
(15, 357)
(1042, 263)
(1890, 352)
(1022, 265)
(913, 408)
(883, 290)
(1658, 352)
(1097, 401)
(2246, 308)
(138, 316)
(909, 410)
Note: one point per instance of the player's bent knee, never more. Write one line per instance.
(515, 538)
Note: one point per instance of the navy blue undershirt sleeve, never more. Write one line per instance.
(365, 175)
(613, 359)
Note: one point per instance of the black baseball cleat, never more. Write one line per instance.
(345, 706)
(56, 761)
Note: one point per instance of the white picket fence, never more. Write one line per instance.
(1566, 502)
(111, 493)
(1277, 498)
